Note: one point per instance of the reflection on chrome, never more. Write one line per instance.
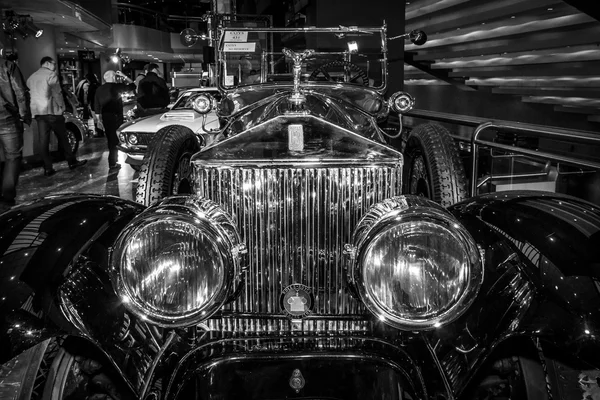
(413, 264)
(175, 263)
(295, 220)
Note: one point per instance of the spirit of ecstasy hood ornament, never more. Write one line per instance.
(298, 58)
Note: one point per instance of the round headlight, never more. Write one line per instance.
(174, 264)
(415, 266)
(133, 139)
(401, 102)
(203, 103)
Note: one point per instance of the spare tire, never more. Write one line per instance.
(432, 166)
(166, 169)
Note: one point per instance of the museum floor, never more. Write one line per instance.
(94, 177)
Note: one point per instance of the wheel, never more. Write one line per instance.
(357, 75)
(73, 140)
(526, 371)
(49, 371)
(432, 166)
(166, 169)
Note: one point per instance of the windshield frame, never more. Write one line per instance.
(341, 30)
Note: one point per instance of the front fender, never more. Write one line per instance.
(54, 280)
(542, 253)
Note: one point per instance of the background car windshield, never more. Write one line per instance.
(255, 56)
(186, 98)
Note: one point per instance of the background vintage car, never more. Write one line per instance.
(135, 135)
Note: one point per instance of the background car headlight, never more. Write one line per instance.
(174, 264)
(414, 265)
(203, 103)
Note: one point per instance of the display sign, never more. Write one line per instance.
(236, 36)
(239, 47)
(86, 55)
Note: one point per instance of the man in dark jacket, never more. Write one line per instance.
(109, 108)
(152, 91)
(14, 111)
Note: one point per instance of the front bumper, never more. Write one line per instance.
(310, 376)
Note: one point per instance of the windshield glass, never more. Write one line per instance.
(352, 55)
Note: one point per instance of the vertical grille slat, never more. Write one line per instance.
(295, 223)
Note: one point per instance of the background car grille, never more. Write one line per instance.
(295, 222)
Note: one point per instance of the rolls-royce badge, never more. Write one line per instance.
(296, 301)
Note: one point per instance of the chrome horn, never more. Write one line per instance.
(417, 37)
(188, 37)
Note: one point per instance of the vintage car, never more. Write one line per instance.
(135, 134)
(308, 260)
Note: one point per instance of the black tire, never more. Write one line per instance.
(523, 370)
(166, 169)
(49, 371)
(432, 166)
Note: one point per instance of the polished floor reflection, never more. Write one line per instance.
(94, 177)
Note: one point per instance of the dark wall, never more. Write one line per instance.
(449, 99)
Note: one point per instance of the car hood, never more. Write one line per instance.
(297, 139)
(339, 111)
(187, 118)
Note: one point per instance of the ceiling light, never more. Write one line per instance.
(30, 26)
(114, 58)
(550, 8)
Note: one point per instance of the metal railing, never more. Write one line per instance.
(129, 14)
(540, 131)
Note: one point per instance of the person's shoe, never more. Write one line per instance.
(78, 163)
(114, 167)
(49, 172)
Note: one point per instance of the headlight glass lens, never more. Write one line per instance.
(172, 267)
(416, 270)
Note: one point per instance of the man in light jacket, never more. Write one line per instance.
(47, 106)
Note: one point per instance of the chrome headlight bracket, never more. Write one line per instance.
(199, 216)
(415, 212)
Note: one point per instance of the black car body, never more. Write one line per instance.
(299, 267)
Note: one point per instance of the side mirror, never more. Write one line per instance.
(188, 37)
(418, 37)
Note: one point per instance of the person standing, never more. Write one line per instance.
(152, 91)
(109, 109)
(47, 106)
(85, 92)
(14, 111)
(140, 76)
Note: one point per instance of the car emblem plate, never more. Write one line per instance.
(295, 137)
(297, 301)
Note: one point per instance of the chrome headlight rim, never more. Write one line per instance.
(390, 214)
(214, 223)
(203, 103)
(401, 102)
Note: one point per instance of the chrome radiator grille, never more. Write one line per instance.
(295, 223)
